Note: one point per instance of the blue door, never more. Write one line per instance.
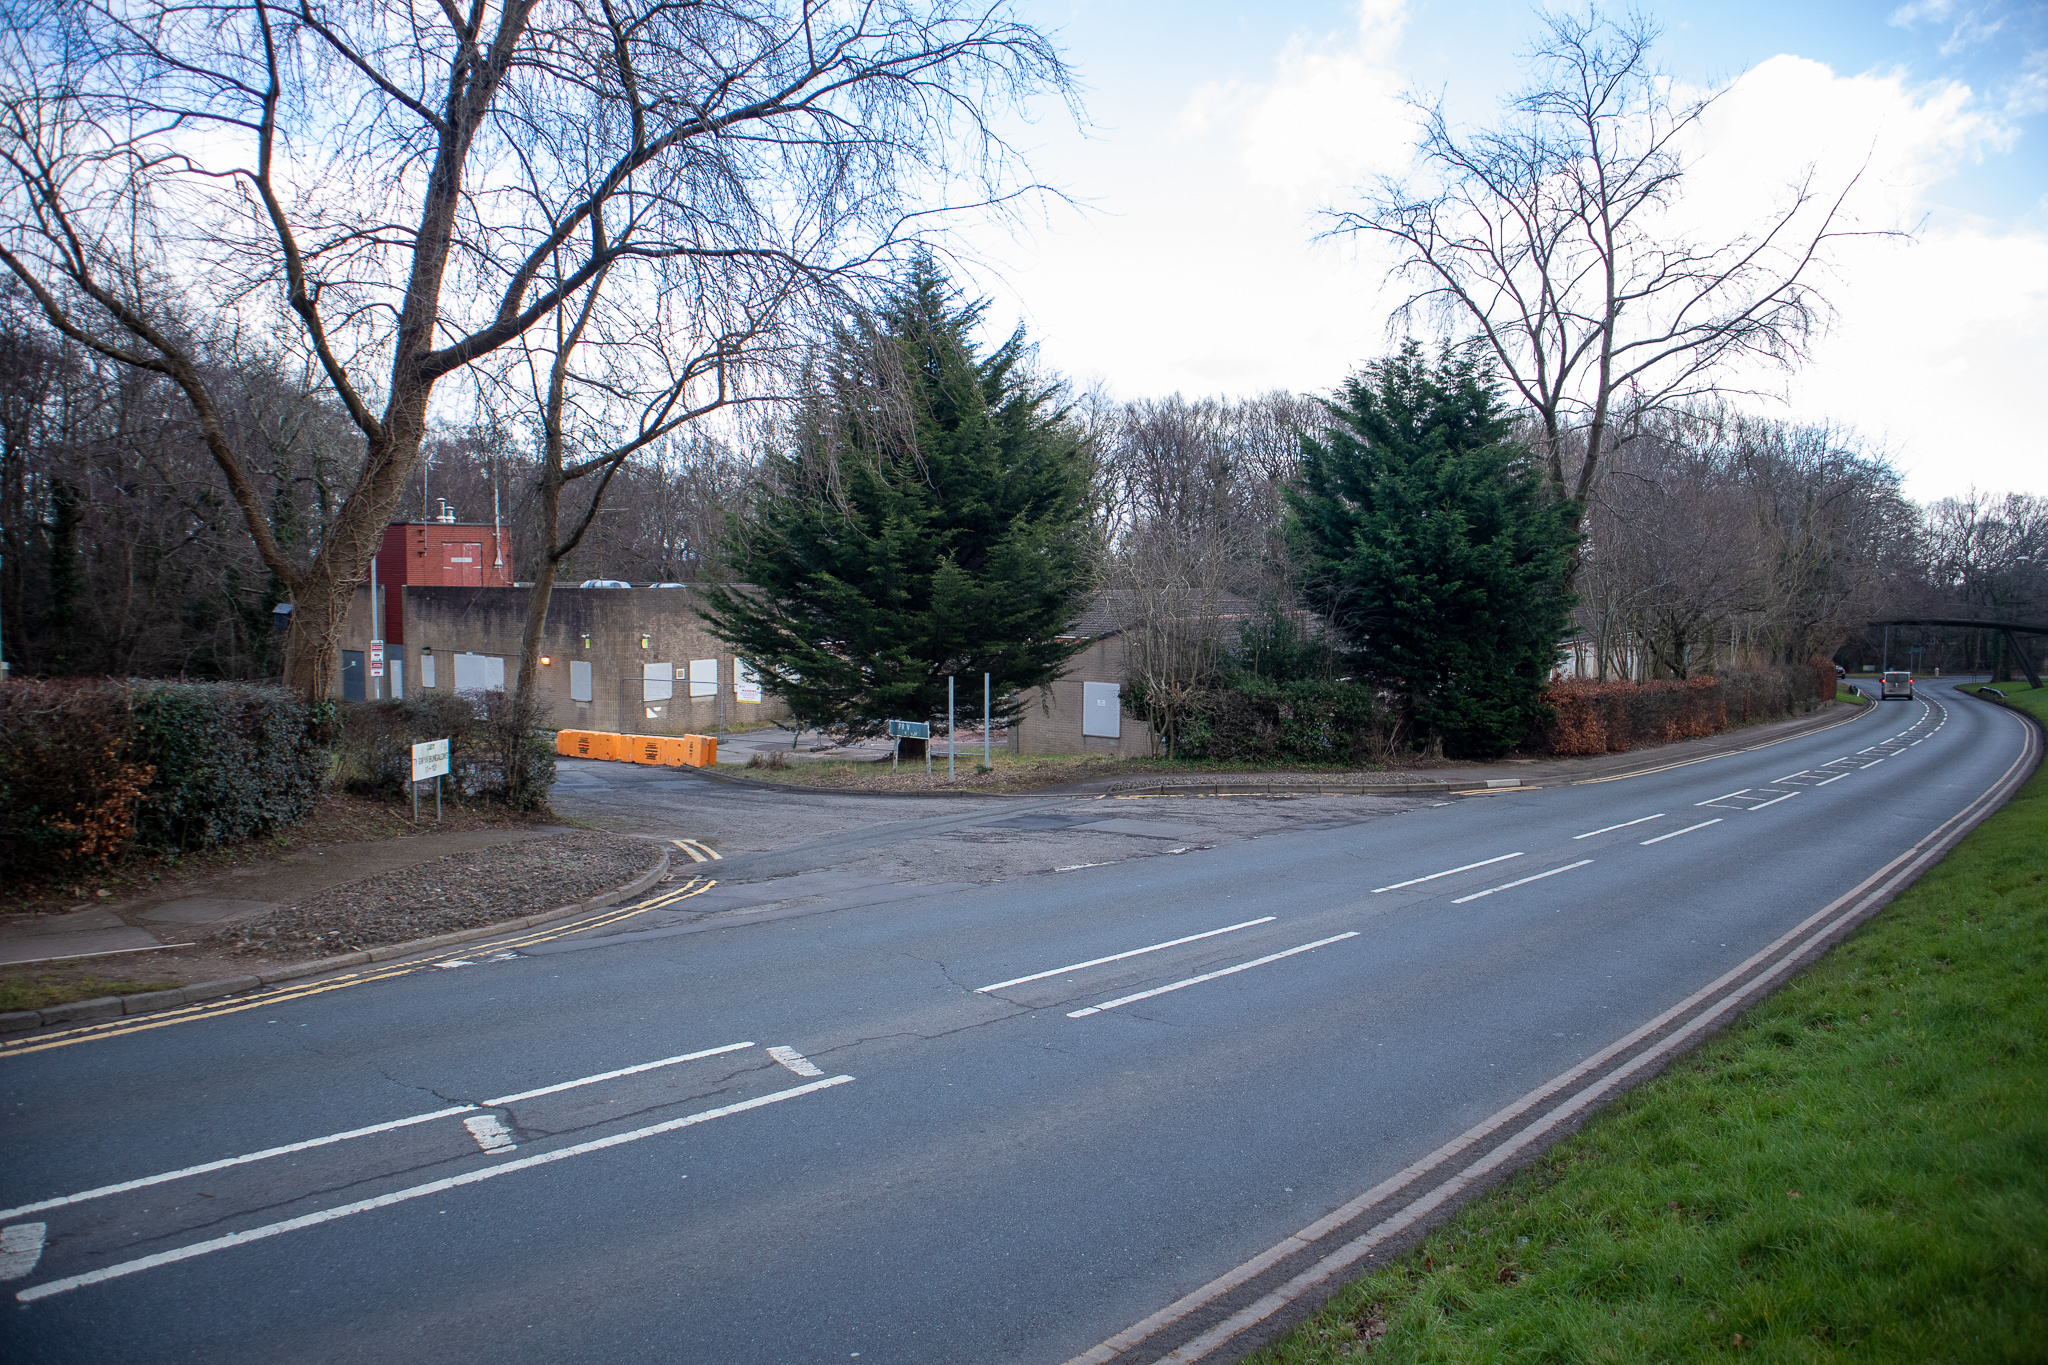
(352, 675)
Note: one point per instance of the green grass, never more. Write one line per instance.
(40, 992)
(1856, 1171)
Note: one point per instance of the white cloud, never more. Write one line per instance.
(1937, 336)
(1201, 272)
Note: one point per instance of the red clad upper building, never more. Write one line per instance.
(438, 554)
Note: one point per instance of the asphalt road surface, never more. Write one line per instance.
(1129, 1112)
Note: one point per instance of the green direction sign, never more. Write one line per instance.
(910, 729)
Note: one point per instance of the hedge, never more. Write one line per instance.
(1614, 717)
(90, 768)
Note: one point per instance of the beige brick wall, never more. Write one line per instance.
(603, 626)
(1050, 722)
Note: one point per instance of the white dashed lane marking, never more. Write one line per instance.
(795, 1061)
(21, 1246)
(490, 1134)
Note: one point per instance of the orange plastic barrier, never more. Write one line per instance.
(697, 751)
(662, 750)
(595, 744)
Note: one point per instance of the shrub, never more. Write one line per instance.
(232, 760)
(88, 768)
(1305, 720)
(494, 750)
(374, 753)
(1614, 717)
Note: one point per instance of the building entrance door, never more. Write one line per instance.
(352, 674)
(462, 564)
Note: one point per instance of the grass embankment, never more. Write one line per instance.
(1856, 1171)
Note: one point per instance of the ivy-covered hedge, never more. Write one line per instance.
(90, 768)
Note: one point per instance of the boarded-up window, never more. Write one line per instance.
(1102, 712)
(657, 681)
(579, 680)
(703, 677)
(426, 670)
(479, 673)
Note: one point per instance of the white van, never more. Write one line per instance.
(1896, 682)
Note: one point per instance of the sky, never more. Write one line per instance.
(1189, 258)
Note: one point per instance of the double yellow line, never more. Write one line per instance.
(116, 1028)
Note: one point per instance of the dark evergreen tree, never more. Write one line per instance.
(1425, 533)
(931, 520)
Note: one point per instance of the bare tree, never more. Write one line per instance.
(1676, 551)
(399, 190)
(1551, 237)
(1721, 539)
(1190, 491)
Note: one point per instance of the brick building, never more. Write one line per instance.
(632, 660)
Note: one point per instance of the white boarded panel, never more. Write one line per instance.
(1102, 710)
(657, 681)
(703, 677)
(579, 680)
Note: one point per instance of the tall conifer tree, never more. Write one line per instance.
(1425, 533)
(931, 520)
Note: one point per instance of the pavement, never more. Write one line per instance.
(174, 916)
(1142, 1110)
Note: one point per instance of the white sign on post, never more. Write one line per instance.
(376, 658)
(429, 760)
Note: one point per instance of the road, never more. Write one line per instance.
(1126, 1112)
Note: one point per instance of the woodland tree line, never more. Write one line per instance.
(1714, 538)
(654, 285)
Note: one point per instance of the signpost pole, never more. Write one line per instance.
(415, 801)
(437, 800)
(985, 763)
(951, 745)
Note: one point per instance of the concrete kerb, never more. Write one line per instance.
(114, 1006)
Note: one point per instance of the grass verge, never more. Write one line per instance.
(44, 989)
(1857, 1170)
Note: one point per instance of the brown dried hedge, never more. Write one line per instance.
(1614, 717)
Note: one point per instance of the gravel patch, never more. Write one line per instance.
(460, 891)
